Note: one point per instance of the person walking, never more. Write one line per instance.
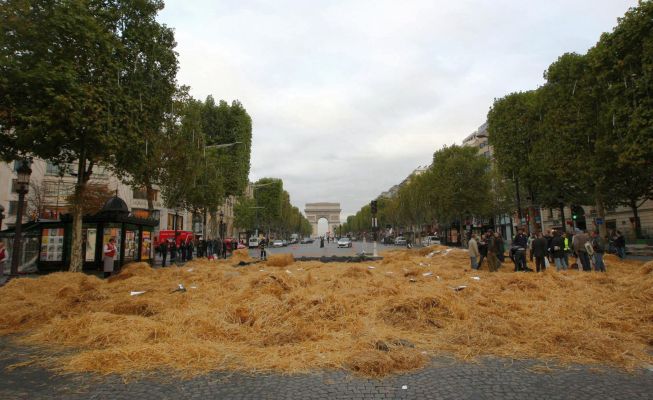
(109, 255)
(472, 246)
(598, 245)
(539, 252)
(500, 247)
(558, 251)
(261, 245)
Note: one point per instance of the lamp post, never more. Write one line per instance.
(22, 186)
(220, 230)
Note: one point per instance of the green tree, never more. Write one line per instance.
(63, 96)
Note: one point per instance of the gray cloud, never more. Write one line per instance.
(348, 97)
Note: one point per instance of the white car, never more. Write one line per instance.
(277, 243)
(400, 241)
(253, 242)
(430, 240)
(344, 242)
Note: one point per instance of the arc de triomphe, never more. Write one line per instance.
(316, 211)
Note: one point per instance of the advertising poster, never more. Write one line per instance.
(52, 244)
(147, 245)
(91, 240)
(131, 238)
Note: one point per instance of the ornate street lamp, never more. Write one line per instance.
(22, 186)
(220, 230)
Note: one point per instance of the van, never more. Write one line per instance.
(253, 242)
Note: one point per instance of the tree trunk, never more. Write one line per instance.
(76, 261)
(600, 212)
(213, 226)
(638, 226)
(562, 217)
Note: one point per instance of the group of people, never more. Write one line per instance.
(551, 247)
(202, 248)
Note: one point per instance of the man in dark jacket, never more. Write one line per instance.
(520, 244)
(539, 252)
(163, 249)
(558, 251)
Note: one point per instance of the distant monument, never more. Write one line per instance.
(330, 211)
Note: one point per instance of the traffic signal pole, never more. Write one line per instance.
(374, 227)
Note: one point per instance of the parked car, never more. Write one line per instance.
(253, 242)
(307, 240)
(400, 241)
(277, 243)
(430, 240)
(285, 242)
(344, 242)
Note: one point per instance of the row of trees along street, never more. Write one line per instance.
(584, 137)
(94, 83)
(459, 184)
(270, 211)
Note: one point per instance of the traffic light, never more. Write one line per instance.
(373, 206)
(574, 216)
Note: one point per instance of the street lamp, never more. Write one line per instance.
(221, 217)
(22, 186)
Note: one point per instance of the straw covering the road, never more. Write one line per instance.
(374, 319)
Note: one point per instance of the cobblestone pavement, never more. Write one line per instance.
(490, 378)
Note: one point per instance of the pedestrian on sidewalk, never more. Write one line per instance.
(472, 246)
(109, 255)
(539, 252)
(189, 250)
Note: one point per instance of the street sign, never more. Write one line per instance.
(599, 221)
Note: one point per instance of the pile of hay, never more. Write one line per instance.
(374, 318)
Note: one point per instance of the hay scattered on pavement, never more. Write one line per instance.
(308, 316)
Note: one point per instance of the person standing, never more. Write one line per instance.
(3, 258)
(558, 251)
(261, 245)
(520, 243)
(109, 255)
(620, 244)
(173, 251)
(472, 246)
(482, 249)
(578, 243)
(598, 245)
(539, 252)
(500, 247)
(492, 251)
(182, 250)
(163, 249)
(189, 250)
(567, 247)
(224, 248)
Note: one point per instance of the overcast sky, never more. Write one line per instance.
(348, 97)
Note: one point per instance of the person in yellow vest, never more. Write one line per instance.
(109, 256)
